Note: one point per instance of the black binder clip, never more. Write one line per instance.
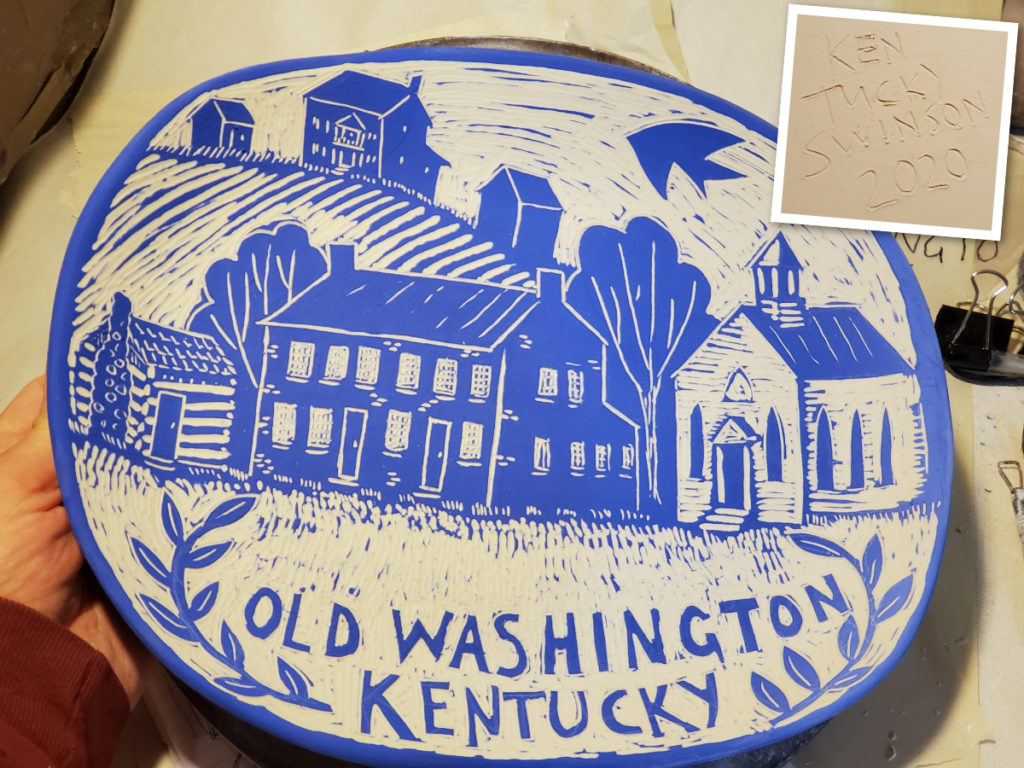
(974, 344)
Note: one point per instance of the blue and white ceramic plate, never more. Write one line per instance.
(439, 406)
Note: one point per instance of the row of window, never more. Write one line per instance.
(603, 456)
(770, 275)
(302, 354)
(547, 385)
(396, 430)
(301, 358)
(471, 439)
(825, 458)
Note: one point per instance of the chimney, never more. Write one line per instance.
(414, 84)
(550, 284)
(343, 259)
(120, 311)
(120, 305)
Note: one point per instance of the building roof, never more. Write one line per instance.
(172, 349)
(354, 89)
(232, 111)
(776, 252)
(530, 189)
(832, 343)
(401, 305)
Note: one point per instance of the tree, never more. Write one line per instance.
(271, 268)
(650, 309)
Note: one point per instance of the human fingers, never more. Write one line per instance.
(40, 563)
(99, 625)
(19, 415)
(39, 557)
(28, 475)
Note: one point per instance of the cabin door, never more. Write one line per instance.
(435, 454)
(167, 425)
(353, 432)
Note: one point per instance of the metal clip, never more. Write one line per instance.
(1015, 482)
(974, 344)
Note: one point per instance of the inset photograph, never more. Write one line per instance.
(895, 122)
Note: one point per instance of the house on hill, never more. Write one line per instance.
(787, 409)
(222, 124)
(166, 394)
(520, 213)
(362, 124)
(444, 389)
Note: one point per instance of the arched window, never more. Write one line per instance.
(823, 453)
(696, 443)
(774, 446)
(856, 453)
(885, 452)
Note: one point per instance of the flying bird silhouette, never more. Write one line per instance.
(686, 145)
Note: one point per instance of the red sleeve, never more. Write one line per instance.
(60, 703)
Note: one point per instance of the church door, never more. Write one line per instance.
(732, 475)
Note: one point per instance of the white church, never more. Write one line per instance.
(787, 409)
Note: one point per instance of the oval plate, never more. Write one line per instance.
(441, 404)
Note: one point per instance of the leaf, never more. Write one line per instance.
(800, 669)
(322, 706)
(768, 693)
(849, 638)
(153, 565)
(292, 680)
(241, 686)
(230, 511)
(206, 556)
(894, 600)
(203, 601)
(851, 676)
(817, 545)
(167, 618)
(172, 520)
(232, 648)
(871, 563)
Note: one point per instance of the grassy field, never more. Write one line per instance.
(374, 557)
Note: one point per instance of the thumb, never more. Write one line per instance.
(27, 468)
(17, 418)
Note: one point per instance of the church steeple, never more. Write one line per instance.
(777, 282)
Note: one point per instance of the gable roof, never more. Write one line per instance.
(232, 111)
(735, 429)
(172, 349)
(344, 119)
(528, 188)
(354, 89)
(401, 305)
(776, 252)
(831, 343)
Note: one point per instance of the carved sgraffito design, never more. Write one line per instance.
(507, 421)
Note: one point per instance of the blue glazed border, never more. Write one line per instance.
(929, 371)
